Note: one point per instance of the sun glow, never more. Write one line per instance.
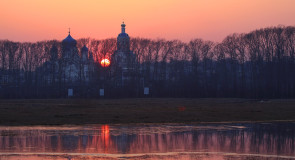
(34, 20)
(105, 62)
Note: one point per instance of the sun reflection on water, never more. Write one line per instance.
(149, 141)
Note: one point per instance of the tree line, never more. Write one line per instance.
(259, 64)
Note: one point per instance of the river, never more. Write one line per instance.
(150, 141)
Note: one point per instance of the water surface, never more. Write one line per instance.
(203, 141)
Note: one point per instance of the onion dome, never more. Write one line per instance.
(123, 34)
(123, 40)
(84, 49)
(69, 41)
(123, 24)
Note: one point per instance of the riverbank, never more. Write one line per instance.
(153, 110)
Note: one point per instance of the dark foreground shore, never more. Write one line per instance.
(112, 111)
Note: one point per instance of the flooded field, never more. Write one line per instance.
(269, 141)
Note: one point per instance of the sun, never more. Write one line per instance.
(105, 62)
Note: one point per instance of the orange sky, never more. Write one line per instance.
(35, 20)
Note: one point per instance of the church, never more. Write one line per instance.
(65, 67)
(76, 67)
(70, 69)
(124, 63)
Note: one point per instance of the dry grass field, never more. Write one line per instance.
(153, 110)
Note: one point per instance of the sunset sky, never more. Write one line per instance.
(35, 20)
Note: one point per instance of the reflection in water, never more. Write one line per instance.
(267, 141)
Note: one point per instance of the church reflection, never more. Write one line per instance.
(275, 139)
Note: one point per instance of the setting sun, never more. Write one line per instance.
(105, 62)
(147, 79)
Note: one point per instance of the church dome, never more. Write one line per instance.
(84, 49)
(123, 40)
(69, 40)
(123, 35)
